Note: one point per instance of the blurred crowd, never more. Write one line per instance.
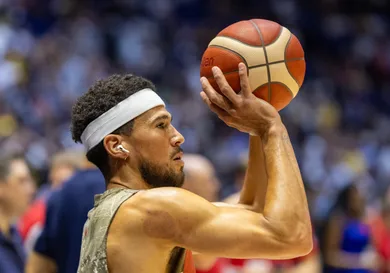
(51, 51)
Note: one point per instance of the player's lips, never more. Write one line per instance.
(178, 156)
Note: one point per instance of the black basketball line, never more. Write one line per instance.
(266, 59)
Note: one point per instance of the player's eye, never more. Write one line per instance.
(162, 125)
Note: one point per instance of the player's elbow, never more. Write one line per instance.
(303, 243)
(294, 240)
(299, 243)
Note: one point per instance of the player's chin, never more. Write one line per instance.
(179, 181)
(178, 166)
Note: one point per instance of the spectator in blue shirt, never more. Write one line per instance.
(16, 192)
(58, 247)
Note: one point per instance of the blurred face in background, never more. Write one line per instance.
(60, 173)
(63, 165)
(201, 178)
(17, 189)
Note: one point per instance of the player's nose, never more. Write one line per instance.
(177, 138)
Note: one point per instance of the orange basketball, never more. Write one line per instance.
(273, 55)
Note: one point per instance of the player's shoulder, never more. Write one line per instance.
(165, 203)
(154, 212)
(161, 198)
(163, 213)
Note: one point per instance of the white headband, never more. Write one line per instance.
(119, 115)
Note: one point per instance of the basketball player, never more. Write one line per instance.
(144, 221)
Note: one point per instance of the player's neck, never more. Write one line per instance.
(127, 178)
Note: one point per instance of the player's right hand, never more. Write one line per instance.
(243, 111)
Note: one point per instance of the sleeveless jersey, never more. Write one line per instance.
(93, 256)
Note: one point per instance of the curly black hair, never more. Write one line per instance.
(101, 97)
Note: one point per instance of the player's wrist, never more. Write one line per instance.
(274, 128)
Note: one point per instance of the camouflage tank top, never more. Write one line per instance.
(93, 256)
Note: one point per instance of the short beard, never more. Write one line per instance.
(156, 176)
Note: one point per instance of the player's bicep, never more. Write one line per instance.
(237, 233)
(187, 220)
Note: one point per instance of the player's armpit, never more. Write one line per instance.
(187, 220)
(38, 263)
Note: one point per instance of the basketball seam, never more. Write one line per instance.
(280, 33)
(261, 65)
(242, 58)
(277, 62)
(292, 93)
(241, 42)
(285, 53)
(289, 90)
(256, 46)
(266, 59)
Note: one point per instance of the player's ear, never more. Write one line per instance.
(115, 147)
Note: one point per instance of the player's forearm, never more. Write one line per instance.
(255, 183)
(286, 206)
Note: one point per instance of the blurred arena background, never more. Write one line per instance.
(51, 51)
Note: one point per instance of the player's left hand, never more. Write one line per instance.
(243, 111)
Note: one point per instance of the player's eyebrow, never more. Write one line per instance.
(162, 117)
